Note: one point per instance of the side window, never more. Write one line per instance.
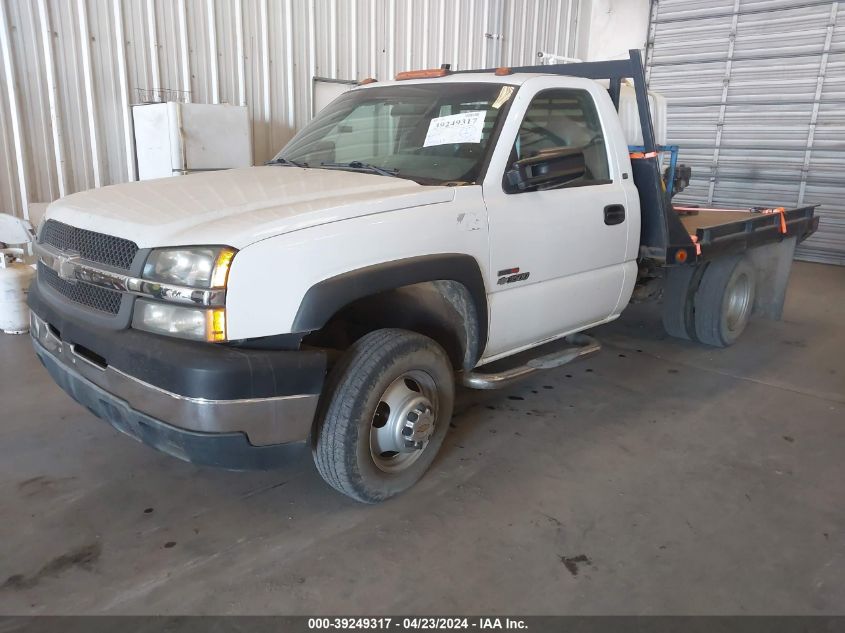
(562, 125)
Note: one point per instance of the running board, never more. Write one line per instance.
(579, 345)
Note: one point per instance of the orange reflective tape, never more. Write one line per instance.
(643, 155)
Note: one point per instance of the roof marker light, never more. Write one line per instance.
(430, 73)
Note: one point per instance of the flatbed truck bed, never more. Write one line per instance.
(732, 231)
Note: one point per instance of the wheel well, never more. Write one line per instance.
(442, 310)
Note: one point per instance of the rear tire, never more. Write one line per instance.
(677, 302)
(386, 411)
(724, 301)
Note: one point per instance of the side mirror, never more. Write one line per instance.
(547, 169)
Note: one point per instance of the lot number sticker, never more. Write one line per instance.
(465, 127)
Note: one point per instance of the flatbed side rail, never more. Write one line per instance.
(736, 237)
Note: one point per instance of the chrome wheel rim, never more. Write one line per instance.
(403, 421)
(739, 301)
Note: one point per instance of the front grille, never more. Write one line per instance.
(94, 297)
(96, 247)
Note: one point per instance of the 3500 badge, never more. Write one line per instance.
(511, 275)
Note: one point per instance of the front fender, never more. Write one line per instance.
(325, 298)
(293, 283)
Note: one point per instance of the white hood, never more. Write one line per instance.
(239, 206)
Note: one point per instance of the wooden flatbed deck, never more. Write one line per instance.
(706, 219)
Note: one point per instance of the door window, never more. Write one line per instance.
(560, 137)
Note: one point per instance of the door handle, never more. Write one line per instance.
(614, 214)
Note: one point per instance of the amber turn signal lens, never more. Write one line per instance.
(216, 325)
(681, 256)
(221, 268)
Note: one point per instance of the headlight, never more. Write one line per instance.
(189, 275)
(199, 324)
(196, 267)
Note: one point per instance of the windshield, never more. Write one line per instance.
(430, 133)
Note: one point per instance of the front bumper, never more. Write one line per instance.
(243, 427)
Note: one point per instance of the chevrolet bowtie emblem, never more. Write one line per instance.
(65, 266)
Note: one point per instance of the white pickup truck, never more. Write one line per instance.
(447, 226)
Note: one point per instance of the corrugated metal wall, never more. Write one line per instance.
(756, 93)
(69, 69)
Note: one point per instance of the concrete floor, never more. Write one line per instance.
(657, 477)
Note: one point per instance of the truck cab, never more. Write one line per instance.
(415, 234)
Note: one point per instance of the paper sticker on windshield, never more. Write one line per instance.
(465, 127)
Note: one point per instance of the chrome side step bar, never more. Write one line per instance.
(579, 345)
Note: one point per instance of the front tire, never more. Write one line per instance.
(386, 412)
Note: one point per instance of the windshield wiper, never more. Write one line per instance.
(285, 161)
(357, 165)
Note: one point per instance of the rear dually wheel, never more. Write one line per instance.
(724, 301)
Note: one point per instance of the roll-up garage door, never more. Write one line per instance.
(756, 94)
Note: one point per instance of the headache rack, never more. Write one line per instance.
(664, 237)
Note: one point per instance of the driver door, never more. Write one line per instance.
(559, 254)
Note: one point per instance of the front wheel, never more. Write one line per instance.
(386, 411)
